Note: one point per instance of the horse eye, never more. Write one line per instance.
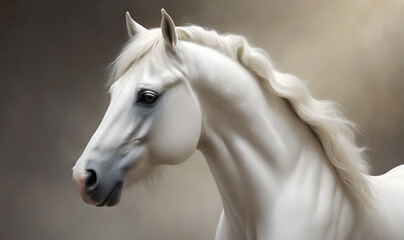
(146, 97)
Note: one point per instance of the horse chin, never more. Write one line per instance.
(113, 197)
(110, 199)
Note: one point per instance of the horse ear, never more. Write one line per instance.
(133, 27)
(168, 29)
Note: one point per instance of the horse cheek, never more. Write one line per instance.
(178, 130)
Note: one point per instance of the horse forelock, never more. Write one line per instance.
(133, 51)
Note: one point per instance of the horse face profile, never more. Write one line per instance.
(153, 118)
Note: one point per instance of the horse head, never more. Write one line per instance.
(153, 119)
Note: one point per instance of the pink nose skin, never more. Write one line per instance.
(78, 178)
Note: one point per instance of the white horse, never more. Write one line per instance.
(286, 164)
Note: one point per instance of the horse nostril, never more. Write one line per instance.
(90, 181)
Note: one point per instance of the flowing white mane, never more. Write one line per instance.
(334, 131)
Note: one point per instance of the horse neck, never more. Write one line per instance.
(265, 160)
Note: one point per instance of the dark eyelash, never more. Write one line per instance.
(146, 97)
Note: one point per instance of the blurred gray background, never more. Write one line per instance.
(53, 59)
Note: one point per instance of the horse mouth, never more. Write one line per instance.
(112, 197)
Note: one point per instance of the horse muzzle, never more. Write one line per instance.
(97, 187)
